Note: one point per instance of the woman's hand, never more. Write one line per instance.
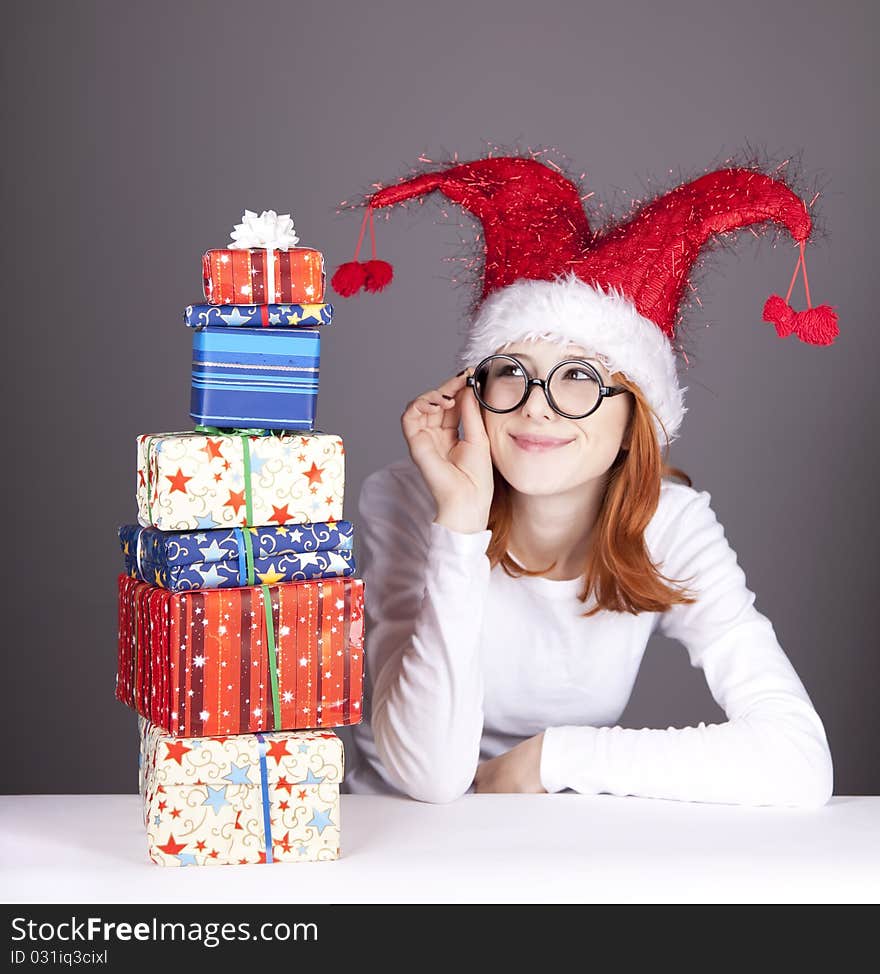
(519, 770)
(458, 470)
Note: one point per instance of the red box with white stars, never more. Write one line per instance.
(199, 663)
(246, 277)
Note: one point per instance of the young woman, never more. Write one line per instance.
(518, 562)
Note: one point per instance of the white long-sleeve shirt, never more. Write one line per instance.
(464, 662)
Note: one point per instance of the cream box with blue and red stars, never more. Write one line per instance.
(214, 478)
(246, 798)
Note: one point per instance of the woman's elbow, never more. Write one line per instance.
(437, 793)
(424, 780)
(437, 786)
(803, 775)
(815, 785)
(437, 774)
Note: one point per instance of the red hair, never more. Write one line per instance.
(619, 570)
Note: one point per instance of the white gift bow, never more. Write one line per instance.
(268, 231)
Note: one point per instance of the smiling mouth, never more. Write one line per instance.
(539, 444)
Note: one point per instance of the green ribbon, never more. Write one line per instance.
(273, 662)
(248, 555)
(245, 435)
(248, 488)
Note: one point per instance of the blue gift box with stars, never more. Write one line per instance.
(228, 558)
(258, 315)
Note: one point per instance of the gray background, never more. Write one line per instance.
(135, 135)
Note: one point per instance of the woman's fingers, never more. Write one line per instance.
(453, 390)
(443, 397)
(422, 413)
(472, 426)
(429, 408)
(434, 411)
(453, 385)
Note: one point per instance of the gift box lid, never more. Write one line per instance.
(279, 759)
(309, 253)
(216, 346)
(283, 442)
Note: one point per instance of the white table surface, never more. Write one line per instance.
(483, 848)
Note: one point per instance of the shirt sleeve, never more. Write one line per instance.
(424, 590)
(772, 750)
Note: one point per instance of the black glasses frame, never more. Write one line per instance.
(605, 392)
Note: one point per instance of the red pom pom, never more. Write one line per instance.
(780, 314)
(379, 274)
(816, 326)
(349, 278)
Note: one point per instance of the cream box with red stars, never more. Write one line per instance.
(197, 480)
(246, 798)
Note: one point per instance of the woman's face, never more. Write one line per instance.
(536, 450)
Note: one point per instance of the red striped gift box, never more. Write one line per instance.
(247, 277)
(198, 662)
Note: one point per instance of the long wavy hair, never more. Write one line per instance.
(619, 570)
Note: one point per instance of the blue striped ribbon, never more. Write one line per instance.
(242, 570)
(245, 556)
(264, 784)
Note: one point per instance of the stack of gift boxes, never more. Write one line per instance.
(240, 619)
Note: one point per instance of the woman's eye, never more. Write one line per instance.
(506, 371)
(579, 375)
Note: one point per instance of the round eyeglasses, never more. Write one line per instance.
(574, 387)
